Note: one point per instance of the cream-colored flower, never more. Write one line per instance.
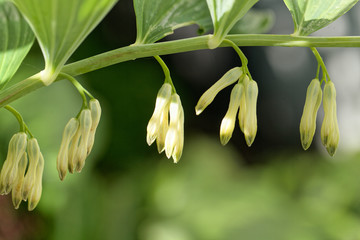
(229, 78)
(174, 137)
(16, 193)
(63, 155)
(95, 109)
(228, 122)
(162, 100)
(22, 171)
(308, 118)
(329, 130)
(35, 194)
(84, 128)
(250, 122)
(33, 151)
(9, 171)
(242, 111)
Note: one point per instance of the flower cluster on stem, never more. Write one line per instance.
(166, 125)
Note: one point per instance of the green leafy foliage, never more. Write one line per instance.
(60, 26)
(15, 41)
(224, 14)
(156, 19)
(255, 21)
(312, 15)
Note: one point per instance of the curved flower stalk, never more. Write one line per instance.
(166, 125)
(308, 118)
(22, 171)
(78, 139)
(329, 130)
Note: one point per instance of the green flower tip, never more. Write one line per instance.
(311, 107)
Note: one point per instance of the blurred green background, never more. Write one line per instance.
(271, 191)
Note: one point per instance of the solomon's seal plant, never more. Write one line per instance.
(60, 26)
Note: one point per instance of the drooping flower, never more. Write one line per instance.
(174, 140)
(250, 121)
(329, 130)
(308, 118)
(78, 139)
(161, 105)
(227, 79)
(228, 122)
(22, 171)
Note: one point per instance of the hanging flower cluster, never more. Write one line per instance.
(243, 101)
(22, 171)
(166, 125)
(78, 139)
(329, 130)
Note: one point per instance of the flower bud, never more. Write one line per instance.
(163, 128)
(19, 181)
(84, 127)
(178, 149)
(242, 111)
(34, 153)
(228, 122)
(173, 134)
(73, 150)
(35, 194)
(62, 159)
(329, 130)
(250, 122)
(162, 100)
(227, 79)
(95, 109)
(308, 118)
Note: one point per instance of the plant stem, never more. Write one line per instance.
(320, 61)
(166, 72)
(163, 48)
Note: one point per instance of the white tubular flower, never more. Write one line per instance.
(163, 128)
(9, 171)
(62, 159)
(242, 111)
(227, 79)
(228, 122)
(34, 153)
(250, 122)
(35, 194)
(308, 118)
(173, 140)
(84, 128)
(329, 130)
(162, 100)
(95, 109)
(19, 182)
(73, 149)
(178, 149)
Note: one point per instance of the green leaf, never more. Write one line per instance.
(60, 26)
(255, 21)
(16, 39)
(312, 15)
(156, 19)
(224, 14)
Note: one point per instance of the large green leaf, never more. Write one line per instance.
(157, 18)
(60, 26)
(16, 39)
(224, 14)
(312, 15)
